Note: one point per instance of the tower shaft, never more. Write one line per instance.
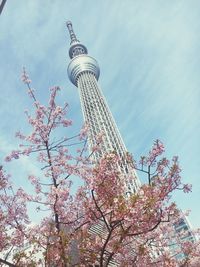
(98, 117)
(100, 121)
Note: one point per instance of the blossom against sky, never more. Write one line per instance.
(148, 52)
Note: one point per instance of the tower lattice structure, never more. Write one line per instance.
(83, 72)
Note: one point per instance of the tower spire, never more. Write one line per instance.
(76, 48)
(71, 32)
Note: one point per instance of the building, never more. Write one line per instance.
(182, 232)
(83, 72)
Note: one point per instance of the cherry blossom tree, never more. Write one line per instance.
(98, 223)
(13, 218)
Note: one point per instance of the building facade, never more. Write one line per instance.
(182, 233)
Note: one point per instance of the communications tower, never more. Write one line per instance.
(83, 72)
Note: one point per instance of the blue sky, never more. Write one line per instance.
(148, 52)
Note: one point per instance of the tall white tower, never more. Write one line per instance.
(83, 72)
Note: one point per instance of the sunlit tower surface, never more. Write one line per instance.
(83, 72)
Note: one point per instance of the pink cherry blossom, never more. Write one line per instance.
(98, 222)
